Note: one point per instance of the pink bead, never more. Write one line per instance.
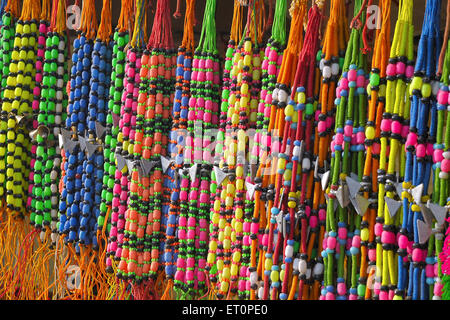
(396, 127)
(360, 80)
(313, 222)
(308, 211)
(348, 130)
(322, 127)
(356, 241)
(330, 296)
(351, 75)
(331, 242)
(442, 97)
(386, 125)
(342, 233)
(417, 255)
(400, 67)
(403, 242)
(254, 227)
(391, 70)
(322, 214)
(378, 229)
(203, 236)
(409, 71)
(343, 84)
(265, 240)
(324, 243)
(372, 254)
(208, 64)
(279, 60)
(420, 150)
(405, 131)
(360, 137)
(241, 285)
(189, 275)
(265, 64)
(387, 237)
(191, 234)
(182, 234)
(376, 147)
(246, 241)
(273, 56)
(272, 69)
(352, 297)
(430, 149)
(445, 165)
(438, 289)
(376, 287)
(113, 246)
(429, 270)
(383, 295)
(341, 290)
(411, 140)
(338, 92)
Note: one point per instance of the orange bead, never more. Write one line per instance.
(158, 174)
(147, 256)
(157, 149)
(157, 136)
(132, 215)
(133, 187)
(149, 230)
(141, 108)
(161, 59)
(133, 227)
(140, 233)
(154, 267)
(145, 182)
(144, 59)
(153, 73)
(158, 109)
(168, 74)
(125, 252)
(157, 214)
(146, 268)
(143, 72)
(154, 60)
(123, 266)
(148, 141)
(133, 255)
(132, 267)
(135, 175)
(142, 220)
(146, 154)
(155, 253)
(159, 96)
(161, 71)
(150, 114)
(166, 101)
(137, 148)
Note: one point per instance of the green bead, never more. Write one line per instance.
(361, 290)
(309, 109)
(33, 217)
(109, 196)
(101, 221)
(39, 219)
(374, 79)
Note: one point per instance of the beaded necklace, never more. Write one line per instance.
(215, 250)
(71, 199)
(342, 238)
(202, 117)
(377, 95)
(330, 62)
(259, 221)
(111, 196)
(9, 20)
(423, 90)
(132, 265)
(176, 148)
(51, 114)
(287, 174)
(173, 258)
(441, 287)
(17, 102)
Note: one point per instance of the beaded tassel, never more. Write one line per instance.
(112, 188)
(342, 240)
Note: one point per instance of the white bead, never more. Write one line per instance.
(439, 236)
(296, 151)
(53, 175)
(318, 269)
(289, 251)
(260, 293)
(436, 298)
(308, 273)
(60, 83)
(446, 154)
(275, 93)
(57, 160)
(321, 64)
(295, 264)
(59, 95)
(61, 45)
(302, 266)
(282, 96)
(306, 164)
(60, 71)
(54, 213)
(53, 224)
(58, 119)
(54, 237)
(443, 175)
(60, 58)
(335, 69)
(58, 107)
(435, 87)
(326, 72)
(253, 277)
(42, 236)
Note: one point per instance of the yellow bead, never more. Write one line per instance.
(240, 184)
(415, 208)
(235, 119)
(238, 213)
(236, 256)
(232, 99)
(287, 175)
(274, 276)
(224, 286)
(226, 244)
(239, 171)
(241, 146)
(248, 46)
(365, 234)
(301, 98)
(281, 163)
(268, 264)
(289, 110)
(256, 61)
(233, 236)
(234, 270)
(220, 265)
(370, 133)
(221, 236)
(256, 74)
(292, 204)
(243, 102)
(212, 245)
(238, 226)
(247, 60)
(244, 88)
(282, 272)
(227, 231)
(222, 223)
(230, 188)
(216, 208)
(211, 258)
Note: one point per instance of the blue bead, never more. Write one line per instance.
(283, 296)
